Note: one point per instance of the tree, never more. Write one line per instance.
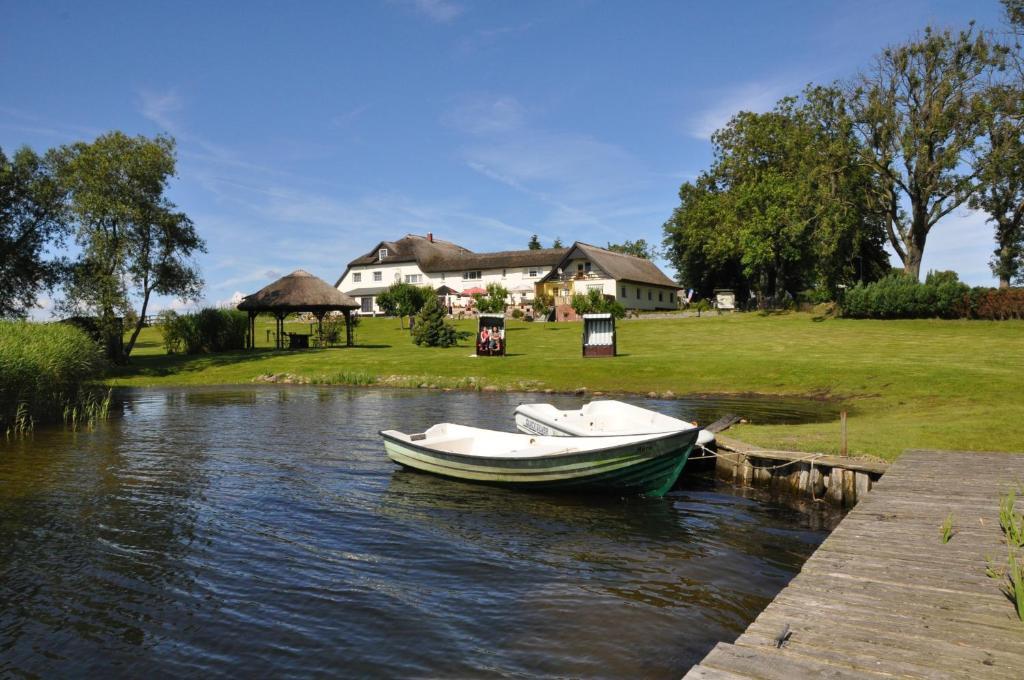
(32, 220)
(403, 299)
(919, 112)
(494, 301)
(557, 243)
(783, 206)
(134, 242)
(534, 243)
(431, 328)
(1000, 193)
(637, 248)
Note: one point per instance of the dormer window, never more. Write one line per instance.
(382, 253)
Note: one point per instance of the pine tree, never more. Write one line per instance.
(534, 243)
(431, 329)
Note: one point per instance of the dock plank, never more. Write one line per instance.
(882, 596)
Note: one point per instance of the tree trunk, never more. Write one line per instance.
(1006, 263)
(915, 244)
(139, 323)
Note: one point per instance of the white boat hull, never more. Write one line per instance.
(600, 418)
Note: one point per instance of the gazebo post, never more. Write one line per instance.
(280, 329)
(320, 325)
(348, 327)
(251, 341)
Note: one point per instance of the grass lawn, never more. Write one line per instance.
(908, 384)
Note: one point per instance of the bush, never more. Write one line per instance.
(494, 301)
(517, 313)
(899, 296)
(995, 304)
(208, 330)
(431, 328)
(49, 372)
(596, 302)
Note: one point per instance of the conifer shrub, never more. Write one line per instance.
(432, 329)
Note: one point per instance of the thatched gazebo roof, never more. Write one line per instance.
(300, 291)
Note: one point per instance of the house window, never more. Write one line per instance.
(595, 286)
(579, 266)
(413, 278)
(357, 277)
(503, 273)
(469, 276)
(382, 253)
(586, 266)
(659, 296)
(377, 276)
(533, 273)
(650, 296)
(366, 305)
(637, 293)
(623, 291)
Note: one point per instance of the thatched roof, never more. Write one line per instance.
(618, 266)
(300, 291)
(433, 255)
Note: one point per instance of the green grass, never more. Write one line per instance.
(907, 384)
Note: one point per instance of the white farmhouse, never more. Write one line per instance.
(426, 261)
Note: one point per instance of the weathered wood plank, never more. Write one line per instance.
(883, 596)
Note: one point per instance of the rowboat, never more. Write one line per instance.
(601, 417)
(648, 464)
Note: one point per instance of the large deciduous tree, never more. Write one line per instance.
(134, 242)
(782, 207)
(919, 111)
(31, 225)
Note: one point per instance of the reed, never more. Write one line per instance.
(1011, 575)
(49, 373)
(946, 530)
(1011, 522)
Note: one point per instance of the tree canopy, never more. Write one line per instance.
(637, 248)
(32, 224)
(403, 299)
(534, 243)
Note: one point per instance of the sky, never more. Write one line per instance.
(308, 132)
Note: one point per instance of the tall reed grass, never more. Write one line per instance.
(49, 373)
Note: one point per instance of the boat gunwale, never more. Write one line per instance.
(561, 428)
(565, 454)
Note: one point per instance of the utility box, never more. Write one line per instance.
(490, 337)
(598, 335)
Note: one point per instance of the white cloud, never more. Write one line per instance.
(757, 97)
(962, 241)
(161, 108)
(484, 115)
(441, 11)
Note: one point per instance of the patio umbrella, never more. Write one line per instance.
(470, 292)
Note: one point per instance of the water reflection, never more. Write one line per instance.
(263, 531)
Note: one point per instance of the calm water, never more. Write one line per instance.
(262, 531)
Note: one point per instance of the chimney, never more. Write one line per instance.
(430, 236)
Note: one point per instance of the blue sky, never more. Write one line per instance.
(309, 131)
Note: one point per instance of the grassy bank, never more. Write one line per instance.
(48, 373)
(920, 383)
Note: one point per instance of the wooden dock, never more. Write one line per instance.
(884, 597)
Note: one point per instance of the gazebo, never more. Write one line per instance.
(300, 291)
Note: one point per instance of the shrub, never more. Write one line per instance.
(49, 372)
(517, 313)
(995, 304)
(205, 331)
(432, 329)
(899, 296)
(596, 302)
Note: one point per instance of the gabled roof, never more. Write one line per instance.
(299, 291)
(618, 266)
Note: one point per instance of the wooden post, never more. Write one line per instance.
(320, 327)
(348, 327)
(842, 433)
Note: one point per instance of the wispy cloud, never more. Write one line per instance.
(441, 11)
(484, 115)
(343, 120)
(963, 242)
(486, 37)
(758, 97)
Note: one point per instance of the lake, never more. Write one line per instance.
(263, 531)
